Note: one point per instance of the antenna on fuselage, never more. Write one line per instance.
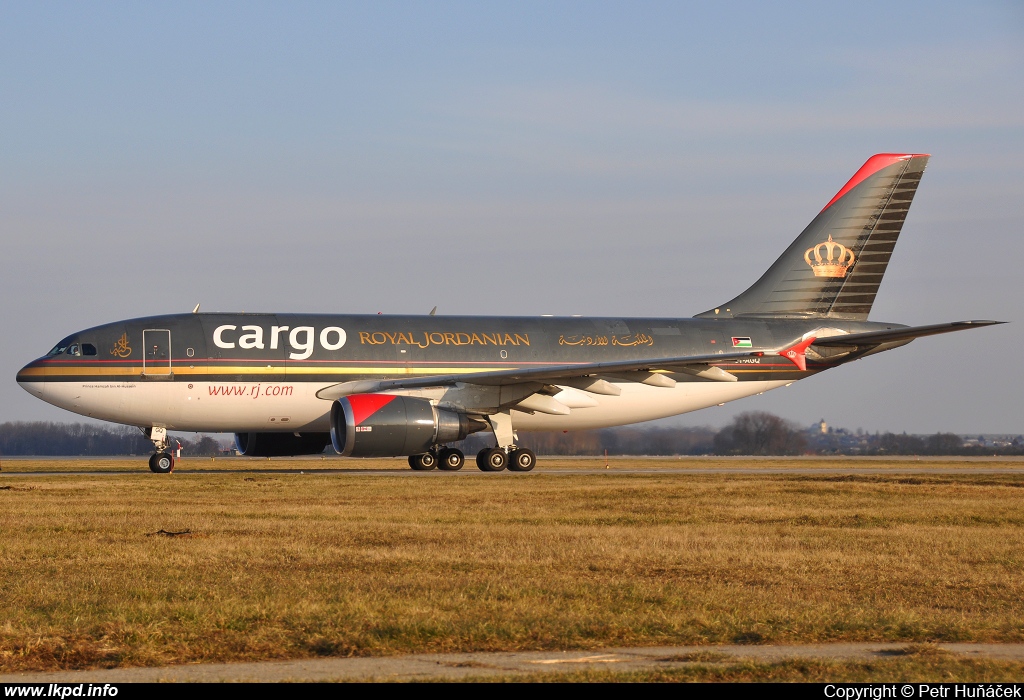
(196, 310)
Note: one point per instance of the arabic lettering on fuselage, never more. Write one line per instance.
(423, 339)
(121, 347)
(628, 341)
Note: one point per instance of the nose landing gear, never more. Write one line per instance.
(163, 461)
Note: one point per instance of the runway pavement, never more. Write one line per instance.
(482, 664)
(540, 471)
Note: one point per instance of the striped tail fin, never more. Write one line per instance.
(833, 269)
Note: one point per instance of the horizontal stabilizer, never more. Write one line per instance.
(897, 334)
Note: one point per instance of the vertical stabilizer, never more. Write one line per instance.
(833, 269)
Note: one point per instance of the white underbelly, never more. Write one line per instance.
(640, 402)
(238, 406)
(196, 406)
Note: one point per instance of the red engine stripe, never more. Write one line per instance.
(365, 405)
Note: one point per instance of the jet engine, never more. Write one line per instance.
(385, 425)
(281, 444)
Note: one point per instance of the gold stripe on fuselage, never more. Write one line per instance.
(201, 371)
(284, 373)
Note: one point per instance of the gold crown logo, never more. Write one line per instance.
(836, 262)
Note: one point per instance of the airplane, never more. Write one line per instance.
(411, 385)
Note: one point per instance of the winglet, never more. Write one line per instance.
(795, 354)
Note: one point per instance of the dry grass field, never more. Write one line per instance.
(293, 565)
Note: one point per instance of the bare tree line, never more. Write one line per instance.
(47, 439)
(751, 433)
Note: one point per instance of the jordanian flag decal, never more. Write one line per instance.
(741, 343)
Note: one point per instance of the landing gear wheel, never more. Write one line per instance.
(424, 462)
(492, 459)
(521, 459)
(450, 459)
(161, 463)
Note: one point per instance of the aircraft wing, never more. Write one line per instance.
(897, 334)
(551, 374)
(641, 370)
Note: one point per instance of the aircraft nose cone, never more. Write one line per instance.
(29, 373)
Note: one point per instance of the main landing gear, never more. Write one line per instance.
(495, 459)
(446, 459)
(506, 454)
(449, 459)
(491, 459)
(163, 461)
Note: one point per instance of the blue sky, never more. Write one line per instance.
(594, 158)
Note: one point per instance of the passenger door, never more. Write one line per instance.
(156, 358)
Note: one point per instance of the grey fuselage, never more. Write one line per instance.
(231, 372)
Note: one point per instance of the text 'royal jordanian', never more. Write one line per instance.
(291, 384)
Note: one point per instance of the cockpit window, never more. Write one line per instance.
(62, 347)
(77, 349)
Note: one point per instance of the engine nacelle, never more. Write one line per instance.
(281, 444)
(386, 425)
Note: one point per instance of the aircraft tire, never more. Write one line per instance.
(424, 462)
(161, 463)
(521, 459)
(450, 459)
(492, 459)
